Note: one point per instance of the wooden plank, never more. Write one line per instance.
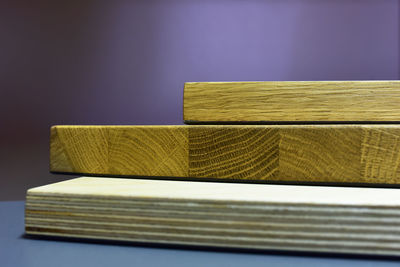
(300, 218)
(290, 153)
(295, 101)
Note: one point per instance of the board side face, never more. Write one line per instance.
(234, 152)
(294, 101)
(79, 149)
(151, 151)
(287, 153)
(380, 154)
(119, 150)
(310, 218)
(318, 154)
(117, 190)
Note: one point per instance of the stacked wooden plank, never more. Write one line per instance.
(291, 153)
(310, 132)
(328, 101)
(302, 218)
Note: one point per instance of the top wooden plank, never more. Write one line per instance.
(294, 101)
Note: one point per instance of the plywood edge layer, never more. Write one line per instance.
(61, 210)
(247, 193)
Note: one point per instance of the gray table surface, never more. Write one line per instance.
(16, 249)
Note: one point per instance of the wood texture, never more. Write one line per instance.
(299, 153)
(139, 150)
(356, 101)
(300, 218)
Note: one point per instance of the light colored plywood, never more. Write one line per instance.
(301, 218)
(213, 191)
(294, 153)
(292, 101)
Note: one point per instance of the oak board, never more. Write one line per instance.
(254, 216)
(292, 101)
(290, 153)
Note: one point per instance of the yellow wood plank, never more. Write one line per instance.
(292, 101)
(256, 216)
(294, 153)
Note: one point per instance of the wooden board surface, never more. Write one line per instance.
(320, 101)
(300, 218)
(300, 153)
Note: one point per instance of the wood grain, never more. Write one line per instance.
(240, 152)
(139, 150)
(300, 218)
(356, 101)
(148, 150)
(320, 153)
(79, 149)
(292, 153)
(380, 153)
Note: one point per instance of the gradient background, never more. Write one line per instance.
(125, 61)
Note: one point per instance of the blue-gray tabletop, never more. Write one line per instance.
(17, 249)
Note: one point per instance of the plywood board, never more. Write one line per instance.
(293, 153)
(297, 218)
(295, 101)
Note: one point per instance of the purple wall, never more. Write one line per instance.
(125, 62)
